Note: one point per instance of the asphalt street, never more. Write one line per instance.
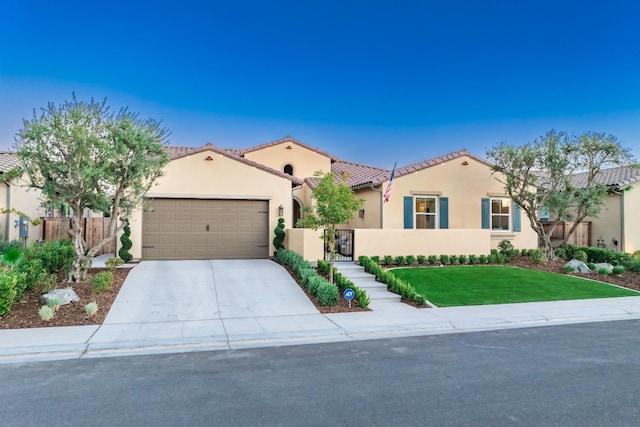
(572, 375)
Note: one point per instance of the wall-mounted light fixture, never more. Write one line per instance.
(280, 210)
(361, 213)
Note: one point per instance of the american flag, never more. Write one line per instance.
(387, 192)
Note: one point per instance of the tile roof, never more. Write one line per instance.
(283, 140)
(8, 161)
(179, 152)
(361, 175)
(615, 178)
(414, 167)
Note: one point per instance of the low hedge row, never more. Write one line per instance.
(394, 284)
(317, 285)
(361, 298)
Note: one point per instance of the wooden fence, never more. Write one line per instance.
(93, 230)
(581, 236)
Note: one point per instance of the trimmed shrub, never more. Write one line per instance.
(603, 271)
(462, 259)
(483, 259)
(278, 240)
(8, 291)
(314, 284)
(432, 259)
(113, 263)
(400, 260)
(125, 243)
(453, 259)
(591, 266)
(422, 259)
(410, 259)
(444, 259)
(376, 259)
(102, 282)
(506, 248)
(618, 269)
(388, 260)
(57, 255)
(569, 268)
(473, 259)
(328, 294)
(580, 255)
(634, 266)
(535, 255)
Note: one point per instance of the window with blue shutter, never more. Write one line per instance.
(444, 212)
(408, 212)
(516, 218)
(486, 213)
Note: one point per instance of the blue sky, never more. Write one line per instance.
(368, 81)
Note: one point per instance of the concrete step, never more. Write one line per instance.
(382, 295)
(368, 284)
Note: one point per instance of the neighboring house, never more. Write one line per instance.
(617, 226)
(224, 203)
(15, 196)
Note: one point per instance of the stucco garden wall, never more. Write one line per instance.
(25, 200)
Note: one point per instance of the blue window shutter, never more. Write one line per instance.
(444, 212)
(486, 213)
(516, 218)
(408, 212)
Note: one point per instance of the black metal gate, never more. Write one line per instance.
(343, 245)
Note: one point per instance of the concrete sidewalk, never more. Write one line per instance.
(219, 305)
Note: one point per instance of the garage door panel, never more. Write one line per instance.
(177, 229)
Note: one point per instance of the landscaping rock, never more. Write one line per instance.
(606, 265)
(65, 296)
(579, 266)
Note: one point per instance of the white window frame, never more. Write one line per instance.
(507, 215)
(416, 213)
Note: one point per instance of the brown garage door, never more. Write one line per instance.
(205, 229)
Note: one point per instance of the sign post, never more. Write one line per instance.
(349, 294)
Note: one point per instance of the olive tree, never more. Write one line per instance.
(558, 173)
(334, 203)
(83, 156)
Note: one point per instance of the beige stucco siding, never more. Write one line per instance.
(631, 221)
(371, 218)
(220, 178)
(23, 199)
(607, 225)
(465, 186)
(305, 162)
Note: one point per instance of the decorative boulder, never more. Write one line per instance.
(579, 266)
(606, 265)
(65, 296)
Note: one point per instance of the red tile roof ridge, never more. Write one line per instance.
(423, 164)
(288, 138)
(180, 152)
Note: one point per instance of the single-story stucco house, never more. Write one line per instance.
(224, 203)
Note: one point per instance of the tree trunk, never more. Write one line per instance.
(332, 251)
(81, 262)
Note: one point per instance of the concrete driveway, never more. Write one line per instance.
(208, 300)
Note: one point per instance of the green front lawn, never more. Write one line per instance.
(479, 285)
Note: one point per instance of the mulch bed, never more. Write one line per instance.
(24, 314)
(341, 307)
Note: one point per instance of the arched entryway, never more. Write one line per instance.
(297, 211)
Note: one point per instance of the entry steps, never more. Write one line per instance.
(379, 297)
